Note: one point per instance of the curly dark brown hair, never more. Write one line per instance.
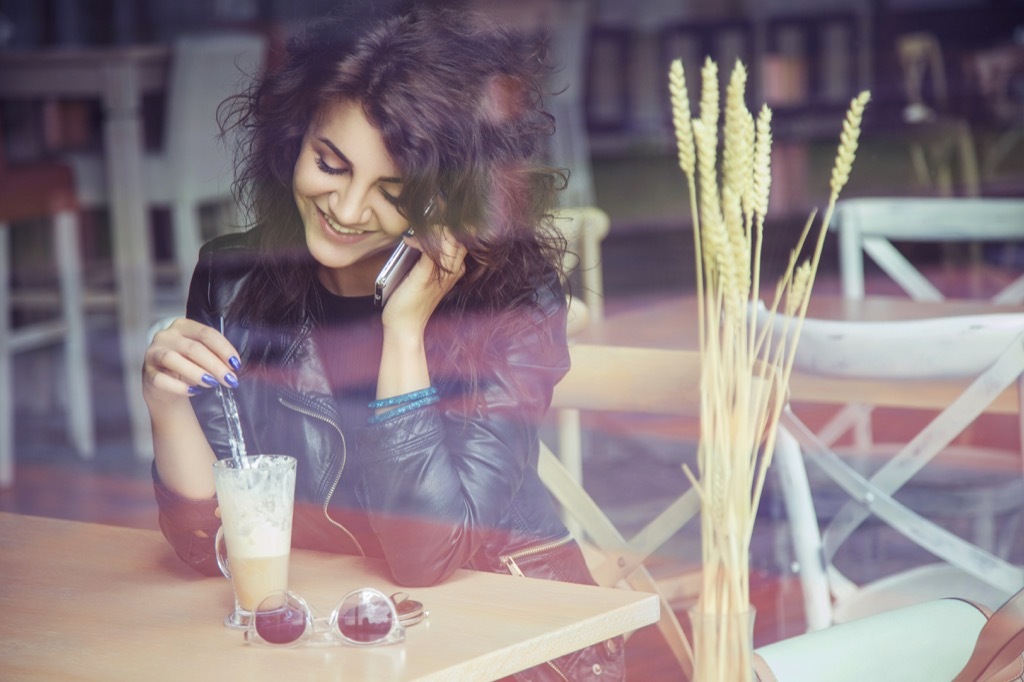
(459, 104)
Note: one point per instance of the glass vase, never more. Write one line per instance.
(723, 645)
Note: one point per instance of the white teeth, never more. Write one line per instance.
(338, 228)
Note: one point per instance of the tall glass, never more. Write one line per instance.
(256, 496)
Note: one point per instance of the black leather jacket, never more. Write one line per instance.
(431, 491)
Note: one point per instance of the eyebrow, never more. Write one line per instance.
(344, 158)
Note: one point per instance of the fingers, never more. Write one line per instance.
(429, 281)
(452, 255)
(188, 357)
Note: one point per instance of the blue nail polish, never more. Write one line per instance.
(231, 380)
(235, 363)
(193, 390)
(209, 380)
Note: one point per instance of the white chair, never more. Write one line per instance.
(584, 228)
(194, 167)
(959, 367)
(639, 381)
(871, 225)
(944, 639)
(31, 192)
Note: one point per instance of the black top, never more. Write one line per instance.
(349, 337)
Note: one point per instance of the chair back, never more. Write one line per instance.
(866, 226)
(584, 228)
(929, 641)
(943, 639)
(920, 56)
(930, 349)
(205, 70)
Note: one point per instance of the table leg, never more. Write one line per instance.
(131, 239)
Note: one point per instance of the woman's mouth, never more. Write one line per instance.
(334, 229)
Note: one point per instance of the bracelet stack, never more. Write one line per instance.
(401, 404)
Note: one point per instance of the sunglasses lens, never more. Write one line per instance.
(365, 617)
(280, 620)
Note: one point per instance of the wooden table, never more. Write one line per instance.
(96, 602)
(118, 77)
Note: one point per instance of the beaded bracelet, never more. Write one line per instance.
(404, 398)
(403, 409)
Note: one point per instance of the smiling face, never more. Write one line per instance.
(345, 184)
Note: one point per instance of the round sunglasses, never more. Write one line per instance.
(363, 617)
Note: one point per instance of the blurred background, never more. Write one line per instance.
(98, 87)
(955, 60)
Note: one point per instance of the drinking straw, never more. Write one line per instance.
(230, 407)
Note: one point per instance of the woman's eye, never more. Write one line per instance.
(330, 170)
(390, 198)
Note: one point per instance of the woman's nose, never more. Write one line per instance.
(349, 206)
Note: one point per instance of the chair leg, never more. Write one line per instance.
(570, 452)
(606, 536)
(76, 361)
(970, 176)
(940, 542)
(6, 366)
(803, 522)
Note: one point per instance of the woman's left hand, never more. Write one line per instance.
(419, 294)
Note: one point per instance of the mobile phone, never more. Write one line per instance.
(398, 265)
(393, 272)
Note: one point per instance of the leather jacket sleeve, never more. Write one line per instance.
(442, 480)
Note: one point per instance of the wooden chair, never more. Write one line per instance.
(959, 367)
(939, 141)
(628, 380)
(995, 71)
(30, 192)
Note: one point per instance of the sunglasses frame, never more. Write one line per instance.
(325, 630)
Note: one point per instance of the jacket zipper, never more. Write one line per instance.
(509, 560)
(558, 671)
(337, 479)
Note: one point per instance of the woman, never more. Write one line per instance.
(415, 427)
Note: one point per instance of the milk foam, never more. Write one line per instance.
(256, 506)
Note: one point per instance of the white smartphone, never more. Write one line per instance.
(393, 272)
(397, 266)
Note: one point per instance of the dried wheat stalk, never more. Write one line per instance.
(745, 369)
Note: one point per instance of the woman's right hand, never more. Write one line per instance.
(185, 358)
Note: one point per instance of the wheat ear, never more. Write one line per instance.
(687, 153)
(848, 143)
(681, 118)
